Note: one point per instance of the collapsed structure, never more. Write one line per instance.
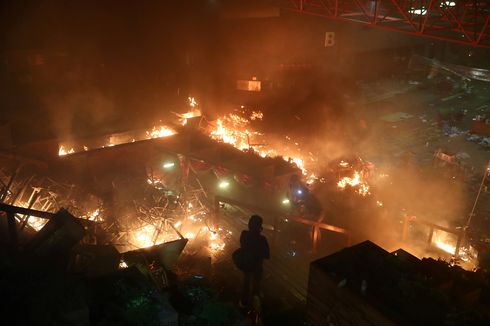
(145, 195)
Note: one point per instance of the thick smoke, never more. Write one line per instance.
(76, 112)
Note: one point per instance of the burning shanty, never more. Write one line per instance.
(244, 162)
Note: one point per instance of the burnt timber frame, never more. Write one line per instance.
(316, 226)
(412, 219)
(11, 211)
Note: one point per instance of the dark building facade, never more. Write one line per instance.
(366, 285)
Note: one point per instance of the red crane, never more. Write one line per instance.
(460, 21)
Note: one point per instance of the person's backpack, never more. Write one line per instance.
(242, 259)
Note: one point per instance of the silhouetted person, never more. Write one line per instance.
(257, 249)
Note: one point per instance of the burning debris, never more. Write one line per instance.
(448, 243)
(174, 214)
(181, 216)
(62, 151)
(153, 225)
(235, 129)
(356, 182)
(157, 175)
(351, 173)
(157, 131)
(445, 243)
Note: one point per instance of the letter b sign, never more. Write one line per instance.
(329, 39)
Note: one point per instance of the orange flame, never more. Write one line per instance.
(236, 131)
(62, 151)
(446, 243)
(36, 223)
(160, 132)
(357, 182)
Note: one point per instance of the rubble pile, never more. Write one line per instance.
(115, 269)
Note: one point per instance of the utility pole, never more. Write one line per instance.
(487, 169)
(465, 228)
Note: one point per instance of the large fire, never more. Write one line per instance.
(191, 227)
(159, 132)
(188, 219)
(36, 223)
(357, 182)
(233, 129)
(236, 130)
(447, 243)
(62, 151)
(192, 113)
(148, 235)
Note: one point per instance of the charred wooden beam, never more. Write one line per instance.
(32, 212)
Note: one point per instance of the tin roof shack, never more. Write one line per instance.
(366, 285)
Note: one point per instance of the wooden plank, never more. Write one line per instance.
(435, 226)
(24, 211)
(32, 212)
(320, 225)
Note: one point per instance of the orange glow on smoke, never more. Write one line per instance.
(236, 130)
(357, 182)
(37, 223)
(447, 243)
(62, 151)
(194, 112)
(159, 132)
